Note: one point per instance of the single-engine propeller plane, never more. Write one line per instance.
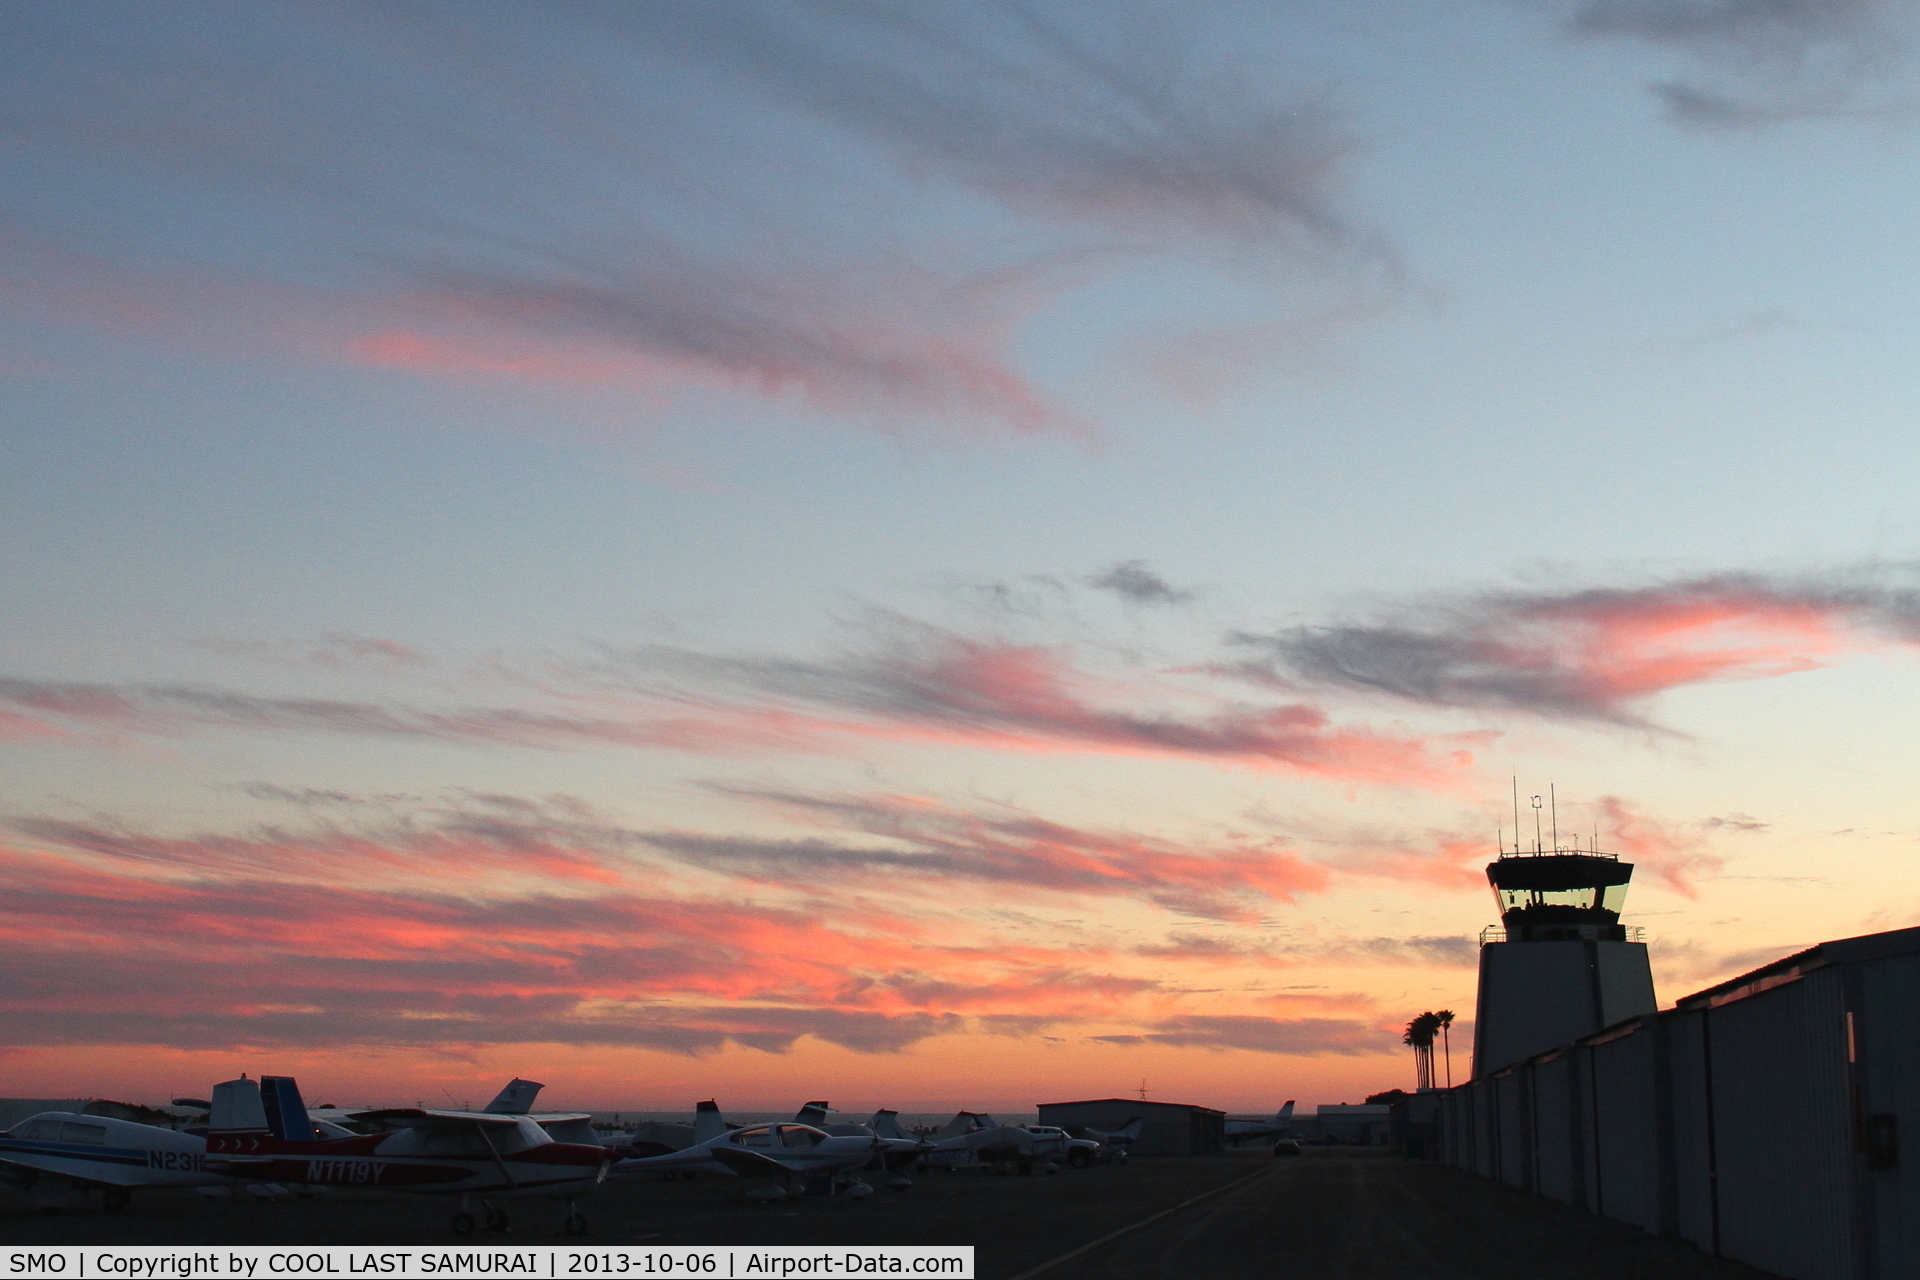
(783, 1151)
(261, 1132)
(117, 1156)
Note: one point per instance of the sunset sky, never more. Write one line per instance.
(930, 555)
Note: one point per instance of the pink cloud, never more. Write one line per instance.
(915, 682)
(1669, 850)
(1599, 654)
(938, 849)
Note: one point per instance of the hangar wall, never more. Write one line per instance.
(1760, 1119)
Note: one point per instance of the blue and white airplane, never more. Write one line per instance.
(117, 1156)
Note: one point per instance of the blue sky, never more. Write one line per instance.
(956, 477)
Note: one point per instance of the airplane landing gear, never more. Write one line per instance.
(496, 1219)
(576, 1223)
(463, 1223)
(114, 1199)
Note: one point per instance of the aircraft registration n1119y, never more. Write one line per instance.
(261, 1132)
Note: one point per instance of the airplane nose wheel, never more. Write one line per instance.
(463, 1223)
(576, 1224)
(496, 1219)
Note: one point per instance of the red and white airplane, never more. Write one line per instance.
(262, 1132)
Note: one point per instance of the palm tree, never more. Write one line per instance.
(1445, 1019)
(1420, 1034)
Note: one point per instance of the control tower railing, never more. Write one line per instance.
(1494, 933)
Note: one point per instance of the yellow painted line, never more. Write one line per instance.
(1135, 1226)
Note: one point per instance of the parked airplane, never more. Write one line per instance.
(261, 1132)
(1260, 1130)
(1114, 1145)
(117, 1156)
(1057, 1144)
(973, 1139)
(892, 1150)
(563, 1126)
(783, 1150)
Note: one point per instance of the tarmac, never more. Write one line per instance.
(1332, 1215)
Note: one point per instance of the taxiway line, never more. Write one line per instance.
(1071, 1254)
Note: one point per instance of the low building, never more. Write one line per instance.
(1166, 1129)
(1363, 1125)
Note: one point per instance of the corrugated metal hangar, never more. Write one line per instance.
(1167, 1128)
(1759, 1119)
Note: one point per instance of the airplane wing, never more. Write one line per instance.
(414, 1118)
(743, 1161)
(104, 1172)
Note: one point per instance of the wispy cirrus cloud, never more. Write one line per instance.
(332, 651)
(911, 680)
(1132, 581)
(1419, 950)
(1597, 654)
(67, 710)
(934, 847)
(1305, 1037)
(479, 919)
(514, 190)
(277, 960)
(1778, 60)
(1674, 852)
(1119, 126)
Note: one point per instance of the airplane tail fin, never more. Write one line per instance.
(707, 1122)
(962, 1122)
(1130, 1130)
(287, 1117)
(516, 1099)
(813, 1113)
(886, 1124)
(1285, 1112)
(236, 1108)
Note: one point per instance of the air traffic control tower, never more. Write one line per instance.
(1562, 966)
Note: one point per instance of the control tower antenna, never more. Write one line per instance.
(1516, 813)
(1560, 965)
(1553, 798)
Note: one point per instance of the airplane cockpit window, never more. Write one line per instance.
(525, 1133)
(761, 1137)
(72, 1131)
(43, 1130)
(454, 1142)
(798, 1135)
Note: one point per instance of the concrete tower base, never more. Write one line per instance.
(1535, 995)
